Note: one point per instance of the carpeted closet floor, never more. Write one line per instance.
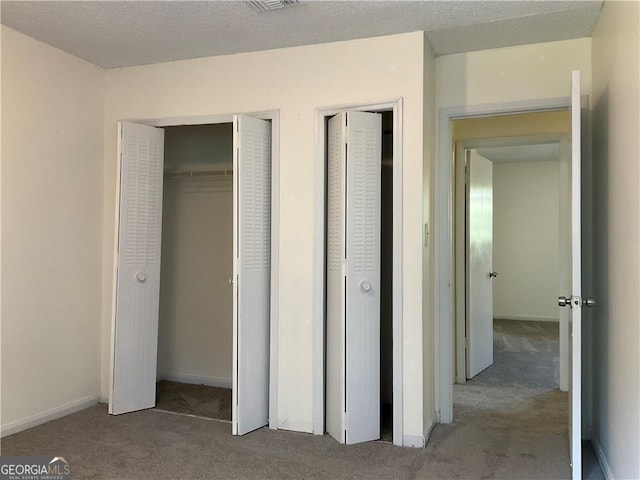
(510, 422)
(198, 400)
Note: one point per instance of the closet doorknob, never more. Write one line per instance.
(140, 277)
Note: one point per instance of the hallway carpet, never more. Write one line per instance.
(512, 431)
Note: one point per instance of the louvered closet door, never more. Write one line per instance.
(363, 276)
(336, 284)
(137, 283)
(353, 277)
(252, 272)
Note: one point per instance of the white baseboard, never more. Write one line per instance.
(413, 441)
(602, 459)
(527, 318)
(48, 415)
(429, 429)
(195, 379)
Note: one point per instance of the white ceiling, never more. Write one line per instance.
(124, 33)
(522, 153)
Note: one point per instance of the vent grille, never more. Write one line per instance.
(268, 5)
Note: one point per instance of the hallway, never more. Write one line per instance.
(510, 421)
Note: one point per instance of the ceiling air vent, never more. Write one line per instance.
(267, 5)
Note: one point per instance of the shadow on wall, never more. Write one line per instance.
(600, 255)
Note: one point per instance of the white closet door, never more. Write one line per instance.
(252, 272)
(353, 277)
(137, 281)
(336, 284)
(364, 170)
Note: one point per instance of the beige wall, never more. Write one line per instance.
(512, 74)
(428, 318)
(296, 81)
(52, 156)
(616, 127)
(526, 239)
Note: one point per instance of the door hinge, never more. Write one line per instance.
(345, 134)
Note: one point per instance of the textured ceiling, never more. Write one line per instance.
(125, 33)
(522, 153)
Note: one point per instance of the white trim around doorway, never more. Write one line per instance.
(444, 248)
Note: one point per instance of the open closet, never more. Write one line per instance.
(192, 272)
(195, 326)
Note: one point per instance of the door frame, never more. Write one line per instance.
(460, 268)
(319, 338)
(444, 266)
(274, 117)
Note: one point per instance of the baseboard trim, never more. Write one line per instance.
(602, 459)
(48, 415)
(195, 379)
(527, 318)
(413, 441)
(428, 430)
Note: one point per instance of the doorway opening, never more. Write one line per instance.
(210, 324)
(508, 329)
(195, 334)
(359, 383)
(508, 238)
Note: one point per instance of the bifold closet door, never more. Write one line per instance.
(252, 273)
(353, 277)
(137, 278)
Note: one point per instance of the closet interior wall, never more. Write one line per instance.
(196, 298)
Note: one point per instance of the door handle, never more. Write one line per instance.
(493, 274)
(365, 286)
(141, 277)
(586, 301)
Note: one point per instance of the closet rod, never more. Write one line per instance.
(199, 173)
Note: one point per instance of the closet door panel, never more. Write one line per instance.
(336, 254)
(137, 279)
(252, 273)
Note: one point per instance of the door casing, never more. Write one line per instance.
(444, 297)
(444, 248)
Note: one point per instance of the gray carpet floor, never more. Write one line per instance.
(511, 430)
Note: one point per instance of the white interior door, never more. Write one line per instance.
(479, 264)
(252, 273)
(574, 300)
(353, 277)
(137, 277)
